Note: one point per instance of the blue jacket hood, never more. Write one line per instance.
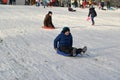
(63, 40)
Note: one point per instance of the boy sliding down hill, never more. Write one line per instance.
(64, 41)
(48, 21)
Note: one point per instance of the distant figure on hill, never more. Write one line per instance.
(102, 4)
(48, 20)
(92, 13)
(37, 3)
(45, 3)
(71, 9)
(108, 4)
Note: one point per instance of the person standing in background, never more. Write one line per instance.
(37, 3)
(92, 13)
(102, 4)
(108, 4)
(10, 2)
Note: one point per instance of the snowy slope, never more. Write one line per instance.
(26, 50)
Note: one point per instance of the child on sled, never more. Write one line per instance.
(64, 42)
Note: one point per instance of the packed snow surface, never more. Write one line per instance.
(27, 53)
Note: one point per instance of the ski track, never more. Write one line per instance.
(26, 50)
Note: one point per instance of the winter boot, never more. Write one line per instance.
(84, 49)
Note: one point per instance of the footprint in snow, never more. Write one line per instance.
(1, 40)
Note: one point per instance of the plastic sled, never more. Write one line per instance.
(88, 18)
(45, 27)
(4, 1)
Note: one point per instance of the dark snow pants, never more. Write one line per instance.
(93, 22)
(69, 50)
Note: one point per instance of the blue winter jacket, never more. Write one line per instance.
(63, 40)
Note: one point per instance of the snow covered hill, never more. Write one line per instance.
(26, 50)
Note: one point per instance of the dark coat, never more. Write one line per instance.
(48, 21)
(63, 40)
(71, 9)
(92, 12)
(102, 4)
